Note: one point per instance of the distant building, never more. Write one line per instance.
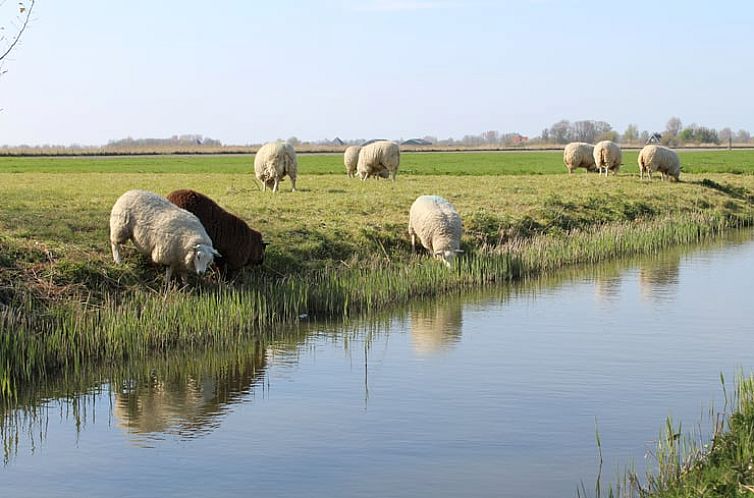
(372, 141)
(337, 141)
(654, 138)
(416, 141)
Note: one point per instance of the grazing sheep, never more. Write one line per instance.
(272, 162)
(171, 236)
(579, 155)
(239, 244)
(351, 159)
(607, 156)
(379, 159)
(659, 158)
(438, 225)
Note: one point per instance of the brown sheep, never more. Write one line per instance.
(239, 244)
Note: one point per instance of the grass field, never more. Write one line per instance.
(430, 163)
(338, 246)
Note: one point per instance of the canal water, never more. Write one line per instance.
(491, 394)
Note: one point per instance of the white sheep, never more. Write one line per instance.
(579, 155)
(351, 159)
(171, 236)
(272, 162)
(379, 159)
(607, 157)
(659, 158)
(438, 225)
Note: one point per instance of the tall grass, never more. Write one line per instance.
(716, 462)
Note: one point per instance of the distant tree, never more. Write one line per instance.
(590, 131)
(9, 40)
(472, 140)
(687, 134)
(293, 141)
(699, 135)
(545, 137)
(491, 137)
(673, 126)
(743, 136)
(560, 132)
(725, 134)
(644, 137)
(583, 131)
(706, 135)
(631, 134)
(611, 135)
(430, 139)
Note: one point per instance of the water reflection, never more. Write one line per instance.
(659, 276)
(186, 402)
(607, 282)
(183, 394)
(436, 326)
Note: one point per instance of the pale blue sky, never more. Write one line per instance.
(249, 71)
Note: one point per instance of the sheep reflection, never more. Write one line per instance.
(659, 277)
(187, 400)
(436, 327)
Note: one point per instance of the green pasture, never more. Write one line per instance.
(431, 163)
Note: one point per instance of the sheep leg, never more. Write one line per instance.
(276, 185)
(293, 184)
(116, 252)
(413, 242)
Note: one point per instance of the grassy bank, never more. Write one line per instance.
(338, 248)
(717, 462)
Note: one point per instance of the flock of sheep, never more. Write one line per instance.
(186, 231)
(606, 156)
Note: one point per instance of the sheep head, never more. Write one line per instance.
(203, 255)
(447, 256)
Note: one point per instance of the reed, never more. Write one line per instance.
(714, 462)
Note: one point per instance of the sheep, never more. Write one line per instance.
(379, 159)
(239, 244)
(351, 159)
(171, 236)
(579, 155)
(272, 162)
(607, 156)
(438, 225)
(659, 158)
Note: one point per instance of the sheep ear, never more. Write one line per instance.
(265, 244)
(215, 252)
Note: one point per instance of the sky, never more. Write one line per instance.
(88, 71)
